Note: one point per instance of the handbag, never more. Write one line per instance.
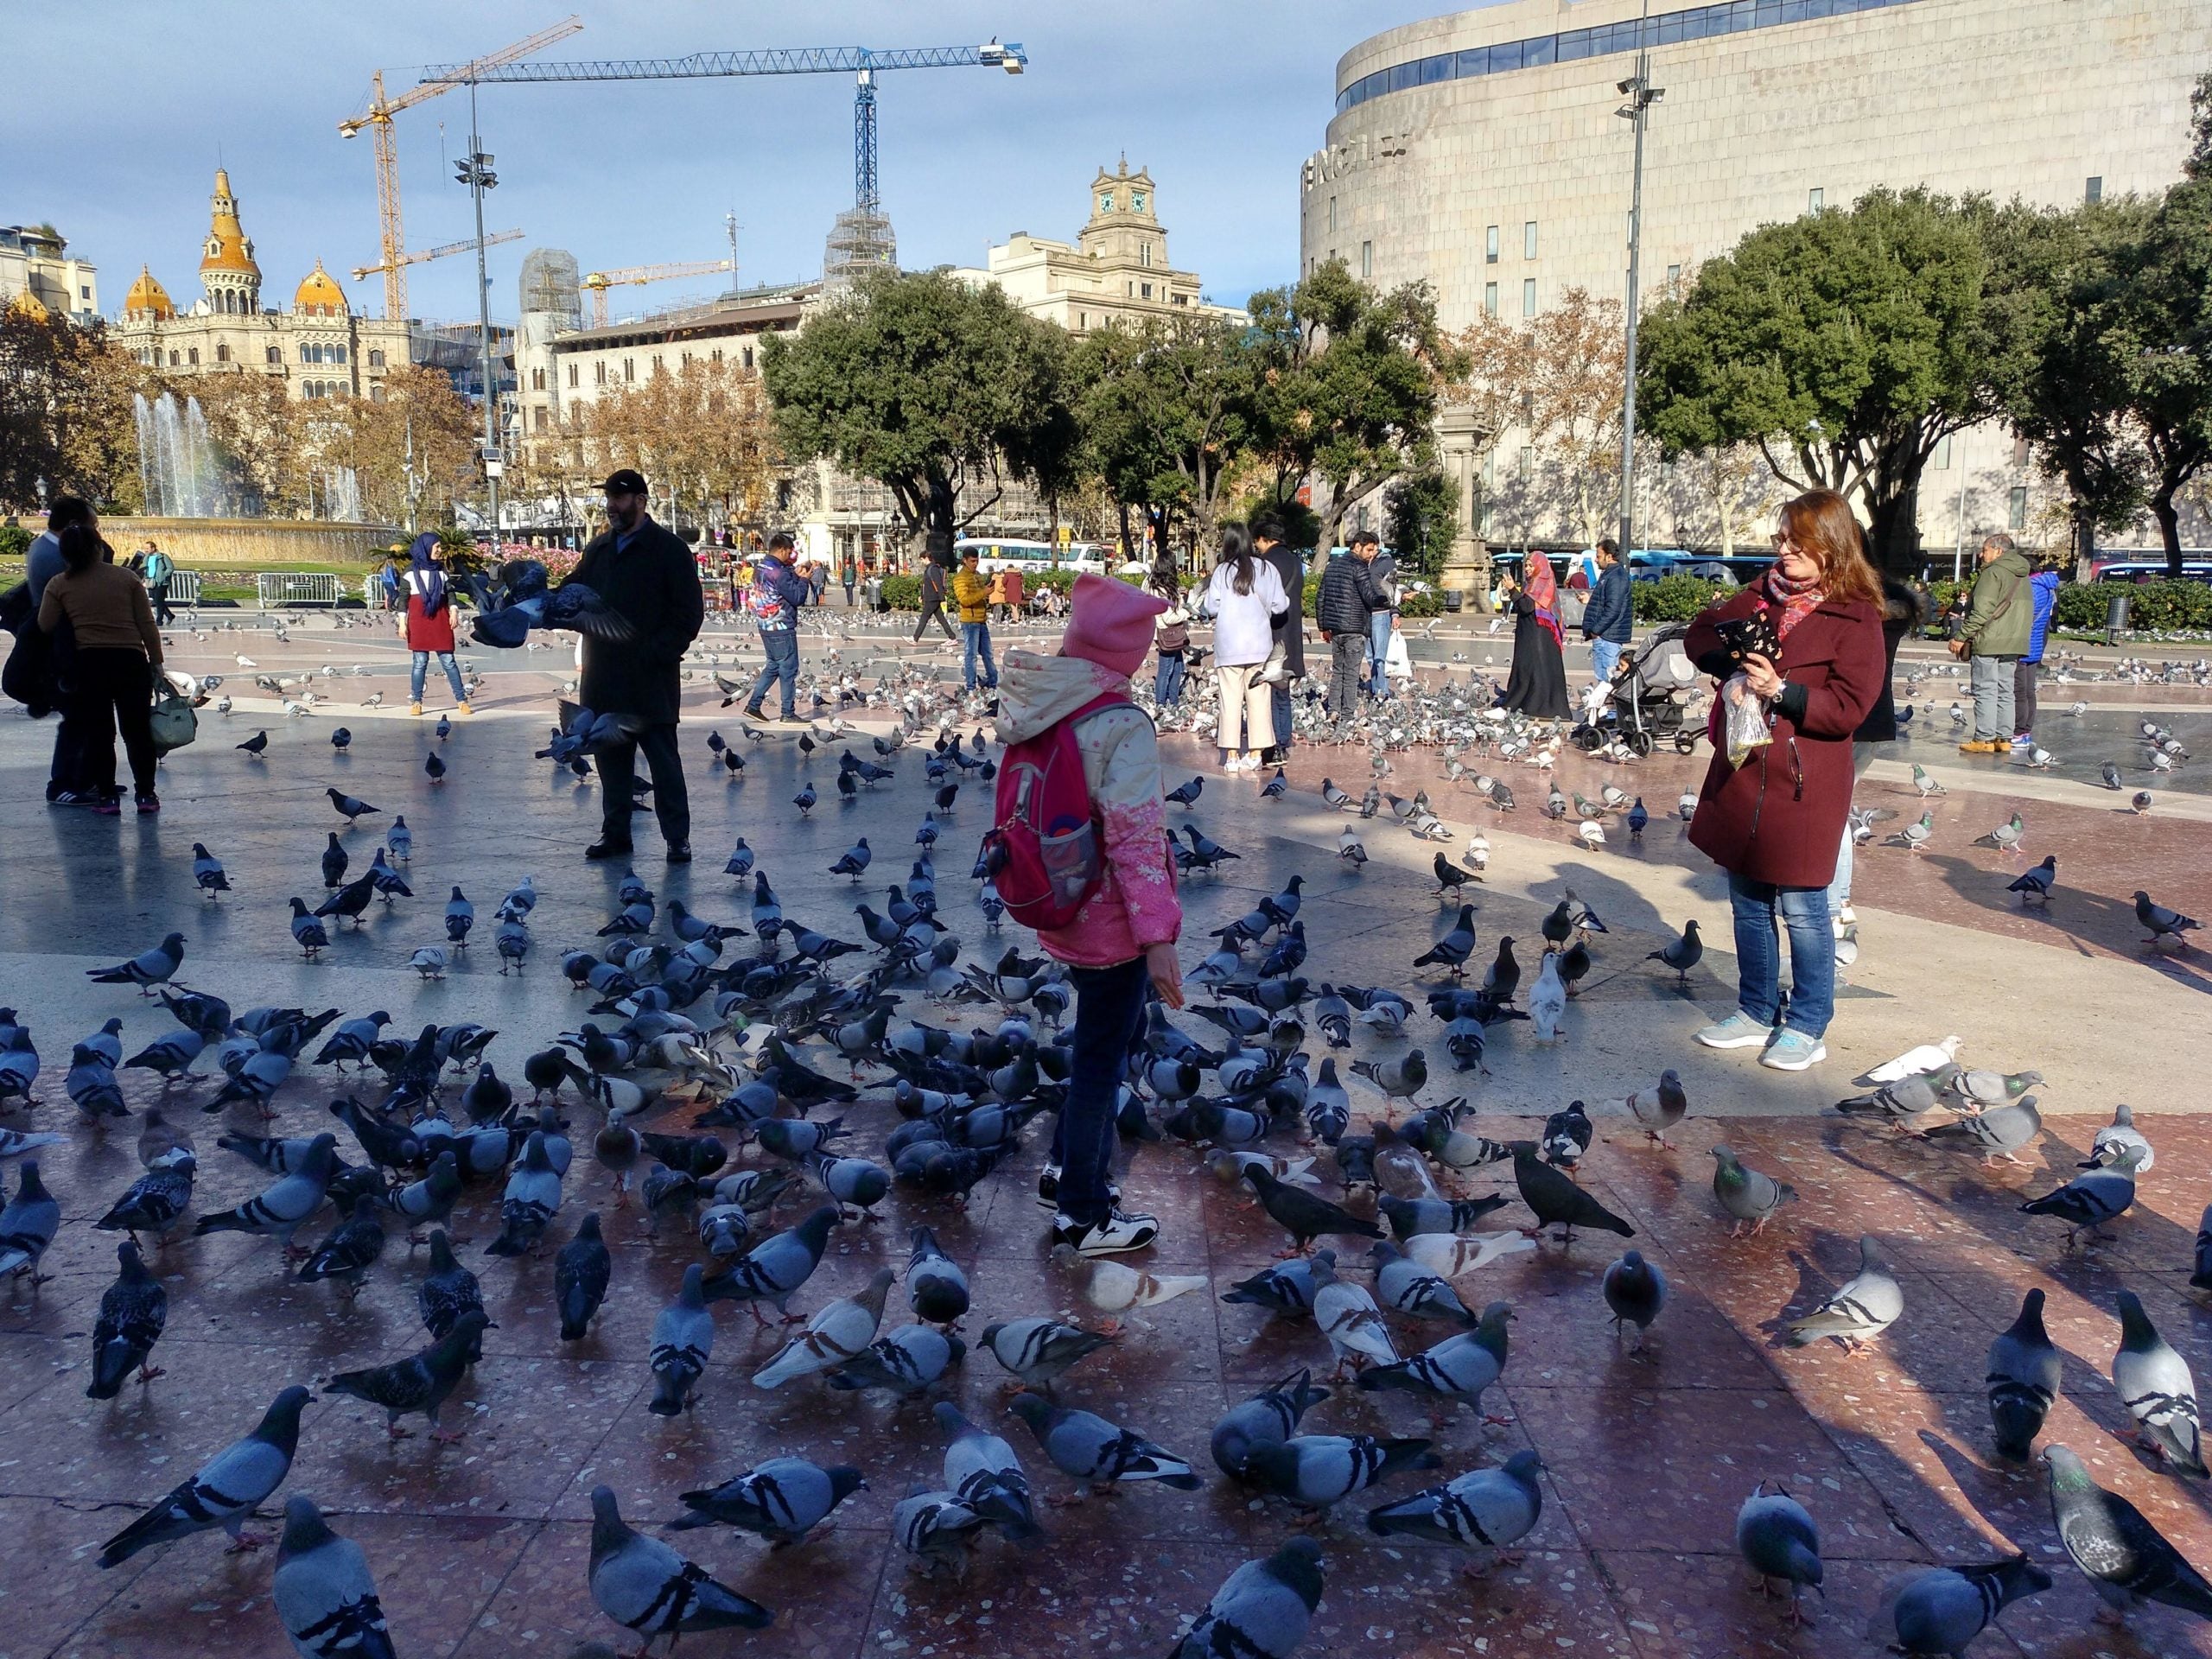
(173, 722)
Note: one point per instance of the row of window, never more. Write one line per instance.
(1527, 242)
(189, 356)
(1528, 298)
(1570, 46)
(630, 367)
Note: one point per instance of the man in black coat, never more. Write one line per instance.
(648, 578)
(1290, 630)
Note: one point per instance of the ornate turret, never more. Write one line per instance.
(148, 300)
(227, 271)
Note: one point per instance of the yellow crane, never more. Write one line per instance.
(600, 281)
(468, 246)
(393, 258)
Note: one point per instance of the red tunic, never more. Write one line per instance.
(428, 633)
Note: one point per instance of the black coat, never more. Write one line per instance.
(1900, 614)
(654, 584)
(1291, 629)
(1537, 684)
(1345, 598)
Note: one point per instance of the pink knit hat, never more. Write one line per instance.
(1110, 623)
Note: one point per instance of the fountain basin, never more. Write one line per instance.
(254, 544)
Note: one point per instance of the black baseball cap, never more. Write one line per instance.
(627, 482)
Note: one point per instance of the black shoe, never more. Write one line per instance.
(1048, 1188)
(1117, 1233)
(1271, 757)
(604, 848)
(753, 711)
(680, 853)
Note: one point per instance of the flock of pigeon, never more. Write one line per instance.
(727, 1039)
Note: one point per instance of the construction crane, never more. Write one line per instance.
(468, 246)
(392, 258)
(636, 275)
(870, 242)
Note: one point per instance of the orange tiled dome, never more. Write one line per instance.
(320, 294)
(147, 298)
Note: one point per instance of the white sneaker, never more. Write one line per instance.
(1116, 1234)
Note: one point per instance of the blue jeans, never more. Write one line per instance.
(421, 669)
(1378, 653)
(1282, 716)
(1168, 683)
(1605, 658)
(1110, 1004)
(782, 646)
(1804, 911)
(976, 637)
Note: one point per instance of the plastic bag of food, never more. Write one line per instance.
(1748, 727)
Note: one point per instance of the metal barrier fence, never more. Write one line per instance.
(274, 588)
(184, 587)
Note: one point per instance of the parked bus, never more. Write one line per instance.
(2130, 565)
(1004, 553)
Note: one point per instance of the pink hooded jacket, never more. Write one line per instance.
(1136, 905)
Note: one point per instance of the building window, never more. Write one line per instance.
(572, 377)
(193, 356)
(1146, 287)
(1144, 254)
(338, 354)
(657, 367)
(1673, 273)
(1529, 297)
(85, 291)
(1814, 198)
(2020, 452)
(1528, 407)
(1528, 240)
(2094, 190)
(1366, 259)
(274, 355)
(375, 358)
(1332, 216)
(222, 353)
(1182, 298)
(173, 359)
(540, 412)
(1527, 460)
(629, 369)
(1489, 299)
(537, 379)
(1490, 246)
(599, 371)
(747, 358)
(1081, 320)
(684, 359)
(376, 393)
(2016, 508)
(715, 356)
(1941, 459)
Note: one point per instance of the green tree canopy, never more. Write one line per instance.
(1848, 344)
(66, 422)
(940, 392)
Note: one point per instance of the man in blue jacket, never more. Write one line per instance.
(2043, 586)
(774, 600)
(1610, 616)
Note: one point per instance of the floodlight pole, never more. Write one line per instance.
(1641, 95)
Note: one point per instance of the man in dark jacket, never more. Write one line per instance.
(2000, 623)
(649, 578)
(1290, 630)
(1342, 605)
(937, 581)
(1610, 616)
(774, 599)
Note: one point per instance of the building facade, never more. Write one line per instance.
(1483, 151)
(319, 345)
(36, 263)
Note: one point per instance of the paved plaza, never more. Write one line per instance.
(479, 1547)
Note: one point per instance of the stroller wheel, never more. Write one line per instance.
(1639, 744)
(1685, 742)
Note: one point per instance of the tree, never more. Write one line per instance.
(1348, 384)
(415, 448)
(1577, 360)
(265, 435)
(65, 418)
(935, 389)
(2166, 309)
(701, 432)
(1421, 515)
(1846, 344)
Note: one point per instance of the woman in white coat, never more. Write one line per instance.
(1243, 597)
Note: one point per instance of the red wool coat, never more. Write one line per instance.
(1779, 817)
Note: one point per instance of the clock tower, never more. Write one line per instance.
(1124, 224)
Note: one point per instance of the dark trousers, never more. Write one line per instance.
(1347, 652)
(931, 607)
(159, 593)
(1283, 714)
(618, 766)
(1110, 1004)
(2023, 696)
(112, 689)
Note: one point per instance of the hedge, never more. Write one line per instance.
(1676, 598)
(15, 542)
(2080, 607)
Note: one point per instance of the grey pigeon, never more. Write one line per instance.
(580, 1273)
(683, 1340)
(282, 1208)
(323, 1592)
(1268, 1416)
(1683, 954)
(1636, 1291)
(836, 1334)
(1287, 1287)
(1302, 1215)
(1900, 1104)
(1316, 1470)
(1659, 1108)
(2086, 1202)
(1412, 1218)
(1555, 1200)
(937, 1289)
(908, 1361)
(1941, 1610)
(1039, 1350)
(782, 1499)
(1484, 1509)
(2024, 1373)
(1088, 1447)
(2126, 1559)
(420, 1382)
(1405, 1287)
(2117, 1137)
(936, 1529)
(775, 1268)
(1261, 1610)
(2154, 1383)
(350, 1250)
(225, 1490)
(133, 1310)
(1776, 1535)
(1747, 1193)
(2201, 1278)
(1458, 1368)
(2035, 884)
(27, 1225)
(531, 1199)
(154, 967)
(448, 1291)
(2163, 924)
(1867, 1305)
(644, 1585)
(1997, 1133)
(984, 1472)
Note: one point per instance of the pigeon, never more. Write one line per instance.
(1453, 951)
(1488, 1509)
(448, 1291)
(981, 1470)
(283, 1207)
(2006, 838)
(1660, 1107)
(349, 807)
(1998, 1132)
(644, 1585)
(208, 873)
(156, 1203)
(1682, 955)
(1458, 1368)
(837, 1333)
(157, 966)
(1116, 1288)
(1303, 1216)
(2035, 885)
(226, 1489)
(1261, 1610)
(1268, 1417)
(1860, 1310)
(774, 1268)
(2024, 1372)
(254, 745)
(352, 1249)
(532, 1195)
(1038, 1350)
(1777, 1536)
(2153, 1381)
(1399, 1079)
(1088, 1447)
(936, 1288)
(1348, 1317)
(1314, 1472)
(1405, 1287)
(2125, 1558)
(2163, 924)
(323, 1593)
(420, 1382)
(781, 1499)
(1917, 834)
(132, 1313)
(935, 1529)
(1567, 1136)
(1745, 1193)
(1941, 1610)
(1635, 1291)
(1901, 1105)
(2086, 1202)
(580, 1273)
(683, 1340)
(1555, 1200)
(2118, 1137)
(908, 1361)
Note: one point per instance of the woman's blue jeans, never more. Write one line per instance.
(1762, 910)
(1168, 683)
(421, 670)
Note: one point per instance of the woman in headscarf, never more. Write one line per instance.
(1537, 685)
(428, 624)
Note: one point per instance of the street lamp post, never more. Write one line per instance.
(476, 173)
(1641, 95)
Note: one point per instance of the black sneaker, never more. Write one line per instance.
(753, 711)
(76, 797)
(1271, 757)
(680, 854)
(600, 849)
(1111, 1237)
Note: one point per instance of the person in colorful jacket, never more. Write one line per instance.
(1120, 946)
(971, 591)
(2043, 586)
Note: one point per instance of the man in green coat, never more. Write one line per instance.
(2000, 620)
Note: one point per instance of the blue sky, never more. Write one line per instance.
(1222, 98)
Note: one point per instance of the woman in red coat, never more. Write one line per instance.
(1799, 653)
(428, 626)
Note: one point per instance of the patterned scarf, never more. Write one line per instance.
(1543, 593)
(1793, 602)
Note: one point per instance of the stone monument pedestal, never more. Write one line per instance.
(1467, 567)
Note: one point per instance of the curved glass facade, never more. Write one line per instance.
(1697, 24)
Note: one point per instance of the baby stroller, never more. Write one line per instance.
(1647, 700)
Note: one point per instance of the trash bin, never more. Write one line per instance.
(2115, 619)
(1453, 599)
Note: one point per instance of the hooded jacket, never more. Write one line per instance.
(2001, 616)
(1136, 905)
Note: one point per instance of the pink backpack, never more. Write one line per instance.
(1044, 855)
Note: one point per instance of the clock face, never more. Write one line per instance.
(1105, 201)
(1136, 201)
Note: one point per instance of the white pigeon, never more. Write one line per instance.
(1116, 1288)
(837, 1334)
(1592, 832)
(429, 962)
(1547, 1000)
(1351, 1320)
(1449, 1254)
(1914, 1061)
(1351, 848)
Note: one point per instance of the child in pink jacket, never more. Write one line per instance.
(1120, 946)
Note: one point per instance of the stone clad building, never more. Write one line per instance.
(318, 346)
(36, 265)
